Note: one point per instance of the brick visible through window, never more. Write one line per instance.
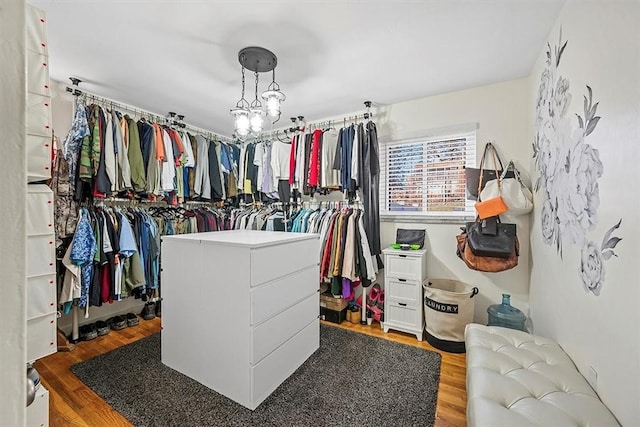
(425, 176)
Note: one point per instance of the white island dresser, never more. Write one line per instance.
(240, 308)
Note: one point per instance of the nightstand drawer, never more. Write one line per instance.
(402, 288)
(403, 302)
(400, 314)
(401, 266)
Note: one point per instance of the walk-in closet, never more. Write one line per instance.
(291, 213)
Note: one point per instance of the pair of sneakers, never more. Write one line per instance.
(122, 321)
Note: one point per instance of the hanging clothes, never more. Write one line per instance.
(74, 140)
(82, 252)
(371, 188)
(65, 207)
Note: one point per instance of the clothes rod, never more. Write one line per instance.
(105, 102)
(319, 125)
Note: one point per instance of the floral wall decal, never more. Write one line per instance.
(569, 169)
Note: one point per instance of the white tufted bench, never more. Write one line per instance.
(516, 379)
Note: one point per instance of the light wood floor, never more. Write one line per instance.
(74, 404)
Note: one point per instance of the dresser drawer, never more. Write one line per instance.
(403, 302)
(270, 262)
(278, 295)
(271, 334)
(403, 314)
(401, 266)
(267, 375)
(403, 288)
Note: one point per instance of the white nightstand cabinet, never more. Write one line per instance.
(405, 272)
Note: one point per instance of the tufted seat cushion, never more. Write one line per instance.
(518, 379)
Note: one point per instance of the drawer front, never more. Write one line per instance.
(41, 296)
(404, 267)
(276, 261)
(402, 288)
(36, 28)
(403, 302)
(38, 74)
(271, 334)
(38, 158)
(38, 411)
(39, 114)
(41, 337)
(278, 295)
(41, 255)
(40, 205)
(267, 375)
(402, 315)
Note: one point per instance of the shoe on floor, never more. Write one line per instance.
(117, 322)
(158, 308)
(102, 328)
(149, 311)
(88, 332)
(132, 319)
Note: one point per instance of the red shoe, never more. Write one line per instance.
(374, 294)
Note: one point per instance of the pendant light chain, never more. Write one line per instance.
(256, 103)
(243, 82)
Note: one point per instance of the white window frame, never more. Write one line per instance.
(467, 132)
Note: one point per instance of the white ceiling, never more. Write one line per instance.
(332, 55)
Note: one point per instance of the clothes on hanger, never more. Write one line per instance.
(115, 251)
(345, 258)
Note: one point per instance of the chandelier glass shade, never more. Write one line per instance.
(249, 118)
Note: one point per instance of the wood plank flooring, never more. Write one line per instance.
(74, 404)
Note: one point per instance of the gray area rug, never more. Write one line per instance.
(351, 380)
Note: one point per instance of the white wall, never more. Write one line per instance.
(13, 309)
(501, 113)
(62, 104)
(600, 331)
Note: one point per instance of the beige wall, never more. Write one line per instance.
(597, 331)
(13, 275)
(500, 110)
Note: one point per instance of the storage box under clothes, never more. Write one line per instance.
(333, 316)
(327, 300)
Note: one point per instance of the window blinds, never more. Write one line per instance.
(425, 176)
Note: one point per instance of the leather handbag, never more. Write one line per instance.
(489, 264)
(410, 237)
(515, 194)
(491, 206)
(491, 238)
(473, 181)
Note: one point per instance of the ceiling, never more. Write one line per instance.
(182, 56)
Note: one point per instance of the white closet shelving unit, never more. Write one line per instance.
(41, 259)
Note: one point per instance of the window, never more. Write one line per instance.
(424, 177)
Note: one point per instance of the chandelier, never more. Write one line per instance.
(249, 117)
